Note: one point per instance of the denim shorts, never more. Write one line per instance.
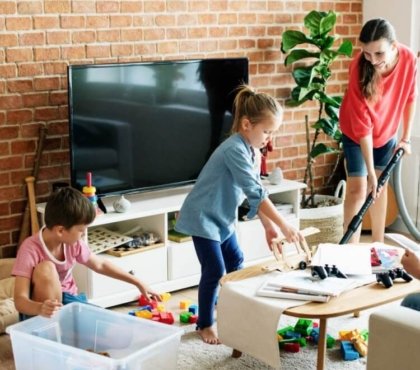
(355, 163)
(66, 299)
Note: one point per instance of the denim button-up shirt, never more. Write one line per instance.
(210, 209)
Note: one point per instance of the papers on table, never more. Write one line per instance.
(301, 285)
(351, 259)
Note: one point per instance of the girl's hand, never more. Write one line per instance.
(291, 234)
(270, 234)
(50, 307)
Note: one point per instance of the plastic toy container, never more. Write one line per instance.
(66, 341)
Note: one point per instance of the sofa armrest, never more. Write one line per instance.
(6, 265)
(394, 336)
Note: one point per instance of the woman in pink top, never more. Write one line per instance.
(381, 94)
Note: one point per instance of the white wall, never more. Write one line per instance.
(405, 17)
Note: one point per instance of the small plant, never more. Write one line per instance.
(311, 81)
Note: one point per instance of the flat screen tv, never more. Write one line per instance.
(142, 126)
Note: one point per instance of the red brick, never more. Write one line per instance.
(19, 116)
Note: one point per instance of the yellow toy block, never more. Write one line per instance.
(160, 307)
(165, 296)
(184, 304)
(145, 314)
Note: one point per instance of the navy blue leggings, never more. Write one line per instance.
(215, 258)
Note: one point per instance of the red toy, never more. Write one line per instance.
(264, 154)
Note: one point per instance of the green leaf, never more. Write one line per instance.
(327, 23)
(328, 126)
(320, 149)
(292, 38)
(302, 75)
(320, 23)
(299, 54)
(346, 48)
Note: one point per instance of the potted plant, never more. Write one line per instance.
(311, 80)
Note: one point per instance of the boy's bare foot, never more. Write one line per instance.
(208, 335)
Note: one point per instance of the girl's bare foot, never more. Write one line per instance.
(208, 335)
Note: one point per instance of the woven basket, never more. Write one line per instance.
(329, 220)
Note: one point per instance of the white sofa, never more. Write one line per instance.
(394, 339)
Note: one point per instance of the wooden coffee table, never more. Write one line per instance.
(350, 302)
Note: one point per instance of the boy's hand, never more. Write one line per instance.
(291, 234)
(50, 307)
(146, 292)
(411, 263)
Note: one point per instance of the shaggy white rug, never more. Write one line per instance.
(195, 355)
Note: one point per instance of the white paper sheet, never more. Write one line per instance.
(349, 259)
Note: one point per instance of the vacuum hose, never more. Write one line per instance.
(396, 179)
(383, 178)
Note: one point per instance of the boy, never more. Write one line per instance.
(44, 263)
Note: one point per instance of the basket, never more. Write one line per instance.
(329, 220)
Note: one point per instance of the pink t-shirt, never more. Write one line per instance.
(358, 118)
(33, 251)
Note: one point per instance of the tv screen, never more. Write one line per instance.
(149, 125)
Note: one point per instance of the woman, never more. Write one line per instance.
(381, 93)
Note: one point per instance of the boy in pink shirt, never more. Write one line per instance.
(44, 263)
(381, 93)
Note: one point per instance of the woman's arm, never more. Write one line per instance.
(408, 118)
(366, 146)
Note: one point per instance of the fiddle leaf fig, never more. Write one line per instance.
(311, 77)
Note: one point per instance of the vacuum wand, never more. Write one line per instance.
(383, 178)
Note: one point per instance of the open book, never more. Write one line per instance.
(301, 285)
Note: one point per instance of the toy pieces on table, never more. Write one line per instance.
(101, 239)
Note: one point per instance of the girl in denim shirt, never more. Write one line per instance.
(209, 212)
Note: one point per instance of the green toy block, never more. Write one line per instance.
(330, 341)
(283, 331)
(303, 327)
(185, 317)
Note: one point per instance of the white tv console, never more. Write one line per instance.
(172, 266)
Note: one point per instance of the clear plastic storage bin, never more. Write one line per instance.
(81, 337)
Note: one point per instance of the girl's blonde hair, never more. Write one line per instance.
(254, 106)
(373, 30)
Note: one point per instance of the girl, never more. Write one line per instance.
(382, 91)
(209, 212)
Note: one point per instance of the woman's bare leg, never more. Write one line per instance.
(378, 211)
(355, 197)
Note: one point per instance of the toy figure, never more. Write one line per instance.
(264, 153)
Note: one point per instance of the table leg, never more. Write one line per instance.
(322, 344)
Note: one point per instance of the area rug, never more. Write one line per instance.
(195, 355)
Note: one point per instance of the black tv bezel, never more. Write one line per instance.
(172, 185)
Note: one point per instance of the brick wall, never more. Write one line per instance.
(38, 39)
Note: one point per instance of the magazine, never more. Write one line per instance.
(302, 284)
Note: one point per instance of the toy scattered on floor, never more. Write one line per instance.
(353, 342)
(153, 310)
(358, 339)
(184, 304)
(348, 351)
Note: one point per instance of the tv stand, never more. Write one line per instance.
(170, 266)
